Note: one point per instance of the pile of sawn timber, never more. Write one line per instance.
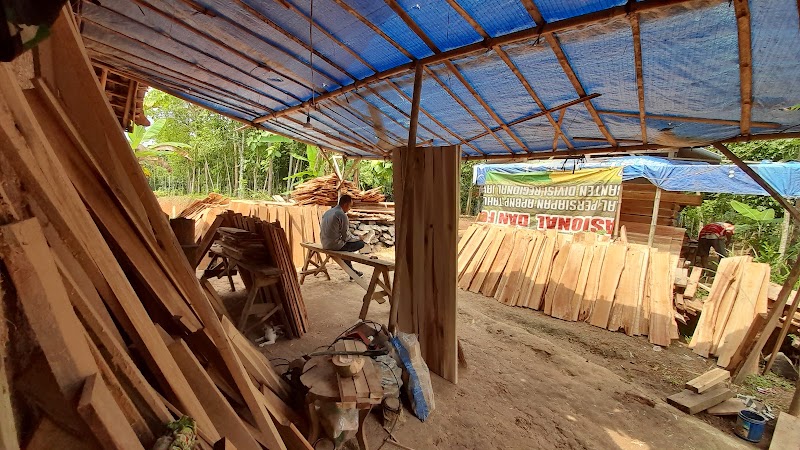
(113, 335)
(738, 295)
(325, 191)
(581, 277)
(268, 241)
(301, 223)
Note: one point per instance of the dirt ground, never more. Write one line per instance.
(532, 381)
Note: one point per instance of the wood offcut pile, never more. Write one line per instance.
(325, 191)
(581, 277)
(708, 390)
(252, 239)
(111, 334)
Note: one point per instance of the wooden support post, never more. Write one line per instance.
(103, 78)
(786, 229)
(414, 120)
(654, 217)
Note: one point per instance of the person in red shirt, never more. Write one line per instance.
(717, 235)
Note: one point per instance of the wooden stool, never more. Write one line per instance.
(319, 376)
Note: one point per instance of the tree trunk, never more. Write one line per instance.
(269, 177)
(289, 174)
(240, 190)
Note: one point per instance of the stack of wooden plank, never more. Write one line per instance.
(114, 335)
(706, 391)
(738, 295)
(325, 191)
(300, 223)
(242, 244)
(269, 239)
(581, 277)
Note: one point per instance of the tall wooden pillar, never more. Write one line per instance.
(426, 191)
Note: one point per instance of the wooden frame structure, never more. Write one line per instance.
(335, 131)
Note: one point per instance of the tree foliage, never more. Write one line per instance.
(220, 156)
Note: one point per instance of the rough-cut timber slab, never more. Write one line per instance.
(708, 380)
(692, 403)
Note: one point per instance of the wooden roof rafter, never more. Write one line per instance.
(742, 9)
(455, 71)
(466, 108)
(771, 125)
(306, 82)
(155, 77)
(555, 45)
(178, 91)
(637, 58)
(486, 44)
(558, 131)
(289, 5)
(535, 115)
(217, 42)
(128, 55)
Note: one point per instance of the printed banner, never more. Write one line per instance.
(584, 200)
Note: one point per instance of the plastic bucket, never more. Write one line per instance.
(750, 425)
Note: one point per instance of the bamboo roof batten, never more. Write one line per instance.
(742, 10)
(637, 58)
(484, 45)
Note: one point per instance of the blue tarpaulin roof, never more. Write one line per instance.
(251, 59)
(672, 175)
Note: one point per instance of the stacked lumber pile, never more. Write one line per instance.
(269, 241)
(113, 334)
(242, 244)
(325, 191)
(300, 223)
(706, 391)
(581, 277)
(738, 295)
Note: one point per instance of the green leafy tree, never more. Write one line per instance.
(149, 151)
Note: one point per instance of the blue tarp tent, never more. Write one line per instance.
(672, 175)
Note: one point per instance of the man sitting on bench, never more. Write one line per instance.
(335, 230)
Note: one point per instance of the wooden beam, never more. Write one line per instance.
(776, 347)
(555, 45)
(787, 205)
(103, 78)
(129, 104)
(196, 66)
(268, 66)
(46, 306)
(637, 58)
(689, 119)
(452, 68)
(412, 127)
(98, 408)
(654, 217)
(580, 21)
(565, 153)
(752, 352)
(466, 108)
(539, 114)
(358, 57)
(745, 63)
(547, 112)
